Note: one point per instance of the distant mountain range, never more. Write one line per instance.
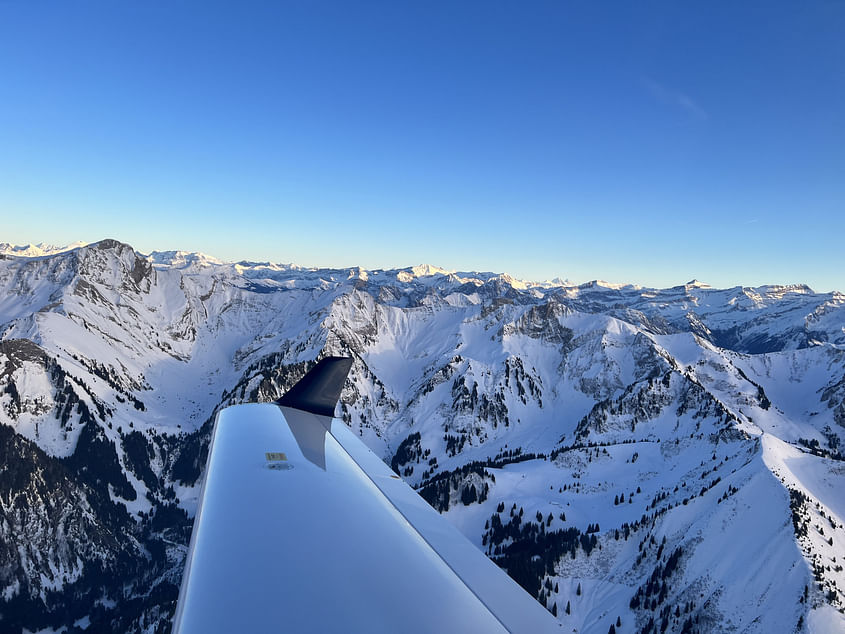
(655, 460)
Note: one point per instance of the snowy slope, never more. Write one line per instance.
(668, 459)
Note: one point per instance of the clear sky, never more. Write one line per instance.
(645, 142)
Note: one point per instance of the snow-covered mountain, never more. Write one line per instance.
(638, 459)
(36, 250)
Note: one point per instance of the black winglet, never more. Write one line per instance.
(319, 390)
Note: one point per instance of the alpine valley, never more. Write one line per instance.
(640, 460)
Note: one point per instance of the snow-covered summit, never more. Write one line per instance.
(427, 270)
(183, 259)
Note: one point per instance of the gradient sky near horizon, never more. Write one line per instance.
(646, 142)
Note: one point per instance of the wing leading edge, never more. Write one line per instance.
(300, 527)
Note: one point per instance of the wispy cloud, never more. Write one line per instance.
(674, 97)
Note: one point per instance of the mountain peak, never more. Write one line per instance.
(182, 259)
(428, 270)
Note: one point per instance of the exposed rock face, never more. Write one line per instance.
(633, 454)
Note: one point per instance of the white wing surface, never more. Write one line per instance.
(301, 528)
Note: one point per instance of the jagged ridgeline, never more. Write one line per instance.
(639, 460)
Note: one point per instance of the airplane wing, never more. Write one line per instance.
(301, 528)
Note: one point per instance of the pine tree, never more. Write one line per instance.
(568, 611)
(578, 590)
(612, 629)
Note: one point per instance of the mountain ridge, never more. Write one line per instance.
(171, 257)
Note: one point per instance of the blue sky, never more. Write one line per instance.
(638, 142)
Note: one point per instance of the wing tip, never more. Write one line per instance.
(319, 390)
